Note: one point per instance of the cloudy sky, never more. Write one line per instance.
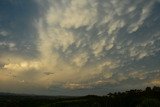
(79, 47)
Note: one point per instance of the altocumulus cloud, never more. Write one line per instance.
(89, 44)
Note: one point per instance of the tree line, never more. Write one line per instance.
(150, 97)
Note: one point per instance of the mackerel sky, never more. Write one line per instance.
(79, 47)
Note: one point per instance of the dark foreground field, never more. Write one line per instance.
(133, 98)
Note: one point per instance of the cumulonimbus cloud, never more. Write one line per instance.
(89, 40)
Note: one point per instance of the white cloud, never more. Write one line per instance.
(108, 64)
(138, 74)
(155, 82)
(80, 40)
(141, 50)
(110, 43)
(22, 66)
(145, 12)
(80, 59)
(78, 15)
(10, 45)
(76, 86)
(62, 38)
(98, 47)
(115, 25)
(66, 41)
(4, 33)
(142, 55)
(73, 16)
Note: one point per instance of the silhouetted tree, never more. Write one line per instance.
(148, 89)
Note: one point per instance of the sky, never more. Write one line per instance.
(79, 47)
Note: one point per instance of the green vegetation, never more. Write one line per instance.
(133, 98)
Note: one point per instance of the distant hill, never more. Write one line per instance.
(150, 97)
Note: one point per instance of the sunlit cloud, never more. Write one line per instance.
(82, 45)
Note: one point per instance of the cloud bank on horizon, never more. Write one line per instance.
(79, 46)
